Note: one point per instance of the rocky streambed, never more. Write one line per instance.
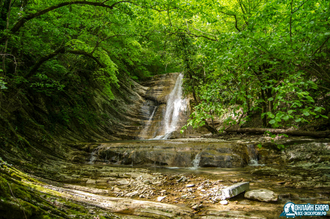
(160, 179)
(113, 184)
(155, 192)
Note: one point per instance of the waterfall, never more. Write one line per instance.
(148, 124)
(253, 155)
(93, 157)
(196, 161)
(174, 105)
(163, 118)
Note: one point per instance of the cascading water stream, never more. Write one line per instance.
(174, 105)
(253, 155)
(148, 124)
(93, 157)
(196, 161)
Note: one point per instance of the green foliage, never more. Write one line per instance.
(240, 58)
(274, 138)
(2, 84)
(268, 57)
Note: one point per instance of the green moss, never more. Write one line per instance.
(22, 196)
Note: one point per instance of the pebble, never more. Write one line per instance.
(196, 206)
(224, 202)
(190, 185)
(182, 179)
(160, 198)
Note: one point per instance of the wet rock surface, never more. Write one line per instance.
(173, 153)
(187, 192)
(263, 195)
(194, 192)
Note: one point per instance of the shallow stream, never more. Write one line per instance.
(150, 183)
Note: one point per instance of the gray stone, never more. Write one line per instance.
(263, 195)
(182, 179)
(190, 185)
(235, 189)
(131, 194)
(91, 181)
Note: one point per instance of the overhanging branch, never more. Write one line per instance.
(26, 18)
(55, 53)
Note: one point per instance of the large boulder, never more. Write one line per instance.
(235, 189)
(263, 195)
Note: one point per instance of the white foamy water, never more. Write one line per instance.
(148, 124)
(174, 105)
(196, 161)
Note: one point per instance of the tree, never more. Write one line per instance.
(257, 60)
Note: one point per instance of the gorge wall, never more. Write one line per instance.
(39, 125)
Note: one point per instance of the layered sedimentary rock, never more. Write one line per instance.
(175, 153)
(165, 109)
(138, 110)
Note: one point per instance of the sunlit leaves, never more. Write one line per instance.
(260, 58)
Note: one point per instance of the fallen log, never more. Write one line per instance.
(322, 134)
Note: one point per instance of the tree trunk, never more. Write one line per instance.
(323, 134)
(264, 108)
(210, 128)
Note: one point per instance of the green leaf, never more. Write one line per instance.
(306, 113)
(318, 109)
(286, 118)
(272, 121)
(291, 111)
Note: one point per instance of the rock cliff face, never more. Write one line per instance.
(165, 110)
(45, 125)
(129, 115)
(174, 153)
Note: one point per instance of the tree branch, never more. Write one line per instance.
(203, 36)
(43, 60)
(26, 18)
(299, 7)
(236, 25)
(55, 53)
(320, 46)
(80, 52)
